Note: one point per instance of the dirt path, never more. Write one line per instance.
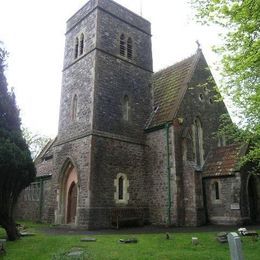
(66, 230)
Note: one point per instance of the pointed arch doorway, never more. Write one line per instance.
(69, 195)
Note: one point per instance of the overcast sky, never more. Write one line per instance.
(33, 33)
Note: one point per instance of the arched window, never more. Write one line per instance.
(129, 48)
(74, 108)
(121, 188)
(81, 48)
(122, 45)
(76, 49)
(121, 184)
(126, 108)
(198, 142)
(216, 190)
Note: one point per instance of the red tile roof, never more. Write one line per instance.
(169, 87)
(223, 161)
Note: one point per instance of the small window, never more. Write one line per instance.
(211, 101)
(129, 48)
(76, 49)
(81, 49)
(126, 108)
(198, 142)
(121, 184)
(201, 97)
(216, 189)
(121, 188)
(122, 45)
(74, 108)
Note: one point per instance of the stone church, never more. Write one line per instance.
(133, 146)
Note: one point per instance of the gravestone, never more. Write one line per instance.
(195, 241)
(88, 239)
(128, 240)
(235, 246)
(222, 237)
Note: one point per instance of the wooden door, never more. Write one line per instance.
(72, 203)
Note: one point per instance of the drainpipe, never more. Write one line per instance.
(41, 200)
(166, 127)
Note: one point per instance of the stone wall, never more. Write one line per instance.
(32, 202)
(112, 156)
(157, 178)
(226, 209)
(198, 101)
(125, 77)
(111, 87)
(193, 106)
(78, 154)
(77, 80)
(114, 9)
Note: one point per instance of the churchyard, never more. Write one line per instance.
(48, 245)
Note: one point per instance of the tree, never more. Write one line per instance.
(16, 167)
(35, 141)
(240, 54)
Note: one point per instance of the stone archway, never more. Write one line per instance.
(253, 189)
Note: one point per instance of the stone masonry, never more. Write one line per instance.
(131, 141)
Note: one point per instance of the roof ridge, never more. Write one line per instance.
(177, 63)
(186, 80)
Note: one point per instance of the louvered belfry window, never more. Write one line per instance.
(122, 45)
(81, 46)
(76, 50)
(129, 48)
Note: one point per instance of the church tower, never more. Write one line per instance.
(105, 104)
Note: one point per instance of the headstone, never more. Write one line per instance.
(76, 254)
(222, 237)
(26, 234)
(195, 241)
(235, 246)
(129, 240)
(88, 239)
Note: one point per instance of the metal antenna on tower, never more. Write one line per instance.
(141, 8)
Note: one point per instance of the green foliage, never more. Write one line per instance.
(35, 141)
(16, 166)
(233, 133)
(240, 54)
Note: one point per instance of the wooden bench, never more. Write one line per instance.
(120, 216)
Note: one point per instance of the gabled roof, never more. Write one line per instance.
(223, 161)
(169, 86)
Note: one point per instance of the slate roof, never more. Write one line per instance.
(223, 161)
(169, 87)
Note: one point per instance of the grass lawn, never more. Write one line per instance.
(150, 246)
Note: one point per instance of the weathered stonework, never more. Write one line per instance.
(165, 147)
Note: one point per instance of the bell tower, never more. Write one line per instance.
(105, 104)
